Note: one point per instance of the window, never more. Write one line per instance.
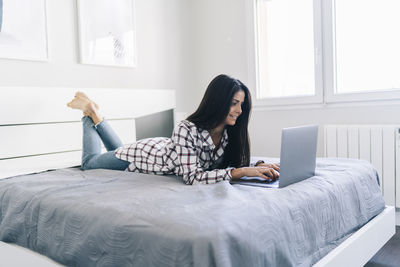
(360, 59)
(286, 54)
(367, 48)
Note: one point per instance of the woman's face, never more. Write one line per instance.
(236, 108)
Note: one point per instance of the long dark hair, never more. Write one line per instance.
(214, 109)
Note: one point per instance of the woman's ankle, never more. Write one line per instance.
(96, 119)
(93, 113)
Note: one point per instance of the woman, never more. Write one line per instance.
(210, 146)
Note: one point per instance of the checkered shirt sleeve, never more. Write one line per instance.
(184, 139)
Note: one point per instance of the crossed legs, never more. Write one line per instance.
(95, 131)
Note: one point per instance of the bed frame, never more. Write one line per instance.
(39, 132)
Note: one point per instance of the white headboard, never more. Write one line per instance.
(39, 132)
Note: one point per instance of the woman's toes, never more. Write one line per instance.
(70, 104)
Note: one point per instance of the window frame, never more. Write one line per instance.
(324, 58)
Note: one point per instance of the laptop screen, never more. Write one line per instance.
(298, 154)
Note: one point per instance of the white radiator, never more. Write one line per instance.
(379, 144)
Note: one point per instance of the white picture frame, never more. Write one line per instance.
(23, 30)
(107, 33)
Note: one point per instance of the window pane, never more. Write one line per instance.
(285, 48)
(367, 45)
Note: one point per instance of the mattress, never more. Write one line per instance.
(116, 218)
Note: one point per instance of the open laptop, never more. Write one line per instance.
(298, 158)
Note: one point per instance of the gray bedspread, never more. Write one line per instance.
(114, 218)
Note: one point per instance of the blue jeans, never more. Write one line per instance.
(91, 150)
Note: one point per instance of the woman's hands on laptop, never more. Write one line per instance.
(268, 173)
(275, 166)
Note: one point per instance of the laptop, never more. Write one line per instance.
(298, 158)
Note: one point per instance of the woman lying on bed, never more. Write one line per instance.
(210, 146)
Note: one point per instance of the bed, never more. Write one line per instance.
(114, 218)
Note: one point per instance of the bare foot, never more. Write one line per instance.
(88, 107)
(79, 103)
(81, 94)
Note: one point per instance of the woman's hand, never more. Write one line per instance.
(264, 172)
(275, 166)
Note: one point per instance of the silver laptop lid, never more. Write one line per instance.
(298, 154)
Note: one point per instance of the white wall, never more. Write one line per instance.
(223, 47)
(160, 53)
(217, 44)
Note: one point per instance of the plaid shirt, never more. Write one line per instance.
(190, 152)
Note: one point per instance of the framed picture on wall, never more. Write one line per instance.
(23, 30)
(107, 32)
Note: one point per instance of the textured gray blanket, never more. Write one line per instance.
(113, 218)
